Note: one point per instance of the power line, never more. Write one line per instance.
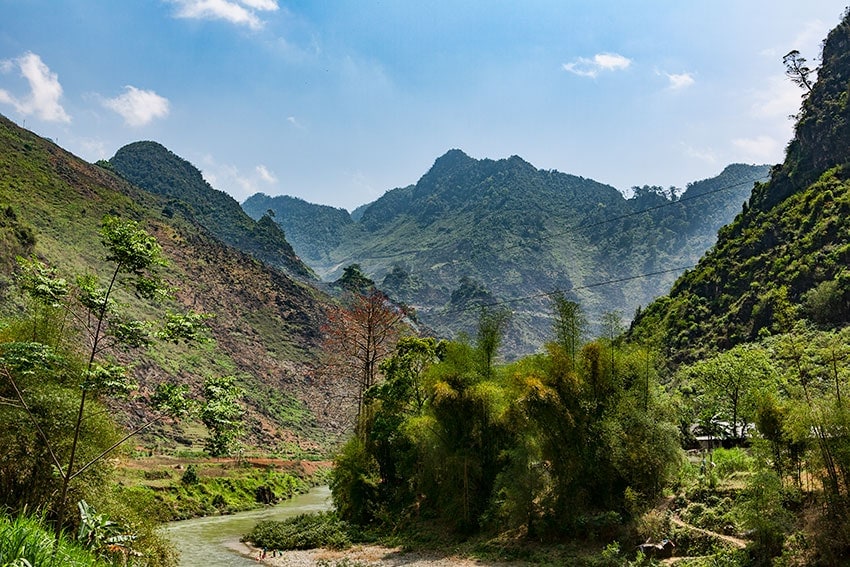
(581, 226)
(584, 225)
(598, 223)
(556, 291)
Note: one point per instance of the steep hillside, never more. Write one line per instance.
(485, 231)
(312, 229)
(266, 324)
(785, 256)
(154, 168)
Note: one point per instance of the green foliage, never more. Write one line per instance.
(353, 280)
(26, 542)
(354, 483)
(471, 232)
(762, 511)
(784, 257)
(550, 444)
(222, 414)
(728, 462)
(52, 205)
(211, 489)
(190, 476)
(134, 255)
(101, 535)
(305, 531)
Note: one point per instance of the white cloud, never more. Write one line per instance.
(679, 81)
(230, 179)
(92, 147)
(703, 154)
(584, 67)
(265, 174)
(780, 99)
(267, 5)
(241, 12)
(761, 148)
(294, 121)
(45, 90)
(138, 107)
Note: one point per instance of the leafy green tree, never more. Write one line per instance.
(492, 324)
(353, 280)
(402, 396)
(95, 316)
(468, 437)
(570, 325)
(354, 483)
(797, 70)
(222, 414)
(761, 511)
(729, 382)
(43, 287)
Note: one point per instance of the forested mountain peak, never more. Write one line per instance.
(265, 329)
(475, 231)
(155, 168)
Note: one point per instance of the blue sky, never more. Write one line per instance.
(337, 102)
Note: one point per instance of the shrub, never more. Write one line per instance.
(305, 531)
(730, 461)
(190, 476)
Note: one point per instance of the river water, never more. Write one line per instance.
(214, 540)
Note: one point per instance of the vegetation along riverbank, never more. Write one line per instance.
(164, 355)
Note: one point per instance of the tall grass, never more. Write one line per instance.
(25, 542)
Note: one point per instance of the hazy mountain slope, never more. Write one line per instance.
(311, 229)
(473, 231)
(266, 325)
(785, 257)
(154, 168)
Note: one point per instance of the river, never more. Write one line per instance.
(214, 540)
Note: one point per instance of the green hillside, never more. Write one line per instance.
(154, 168)
(312, 229)
(785, 257)
(266, 325)
(482, 231)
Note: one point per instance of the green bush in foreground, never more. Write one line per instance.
(305, 531)
(24, 541)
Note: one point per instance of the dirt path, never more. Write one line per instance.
(737, 542)
(375, 556)
(664, 506)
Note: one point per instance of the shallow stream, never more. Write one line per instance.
(214, 540)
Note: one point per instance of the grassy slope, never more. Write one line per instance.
(266, 324)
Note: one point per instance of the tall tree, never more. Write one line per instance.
(357, 338)
(134, 256)
(491, 331)
(570, 325)
(796, 70)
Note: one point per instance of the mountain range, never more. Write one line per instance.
(503, 233)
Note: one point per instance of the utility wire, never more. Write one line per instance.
(590, 225)
(585, 225)
(554, 292)
(581, 226)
